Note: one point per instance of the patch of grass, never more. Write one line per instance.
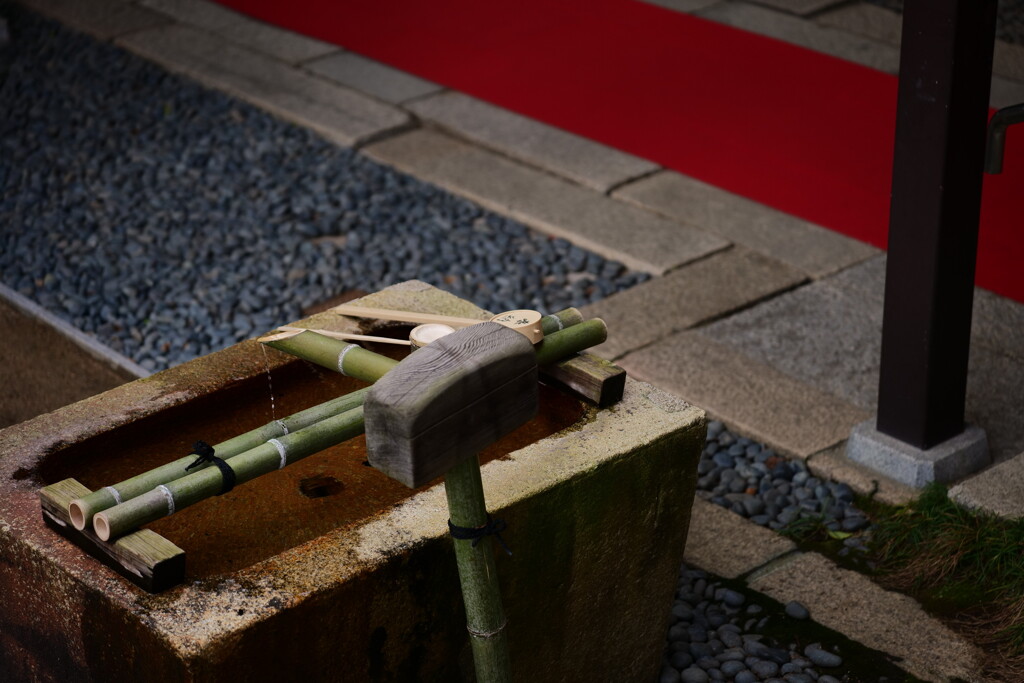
(963, 564)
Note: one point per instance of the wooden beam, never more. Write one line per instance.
(144, 557)
(593, 379)
(449, 400)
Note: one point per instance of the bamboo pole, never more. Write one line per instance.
(334, 354)
(478, 576)
(168, 498)
(82, 510)
(555, 322)
(162, 499)
(560, 345)
(357, 362)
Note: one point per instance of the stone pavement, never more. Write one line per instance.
(770, 323)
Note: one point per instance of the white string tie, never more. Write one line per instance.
(114, 493)
(341, 358)
(281, 451)
(170, 498)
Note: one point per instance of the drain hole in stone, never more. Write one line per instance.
(320, 487)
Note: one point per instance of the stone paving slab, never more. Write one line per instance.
(752, 398)
(828, 335)
(339, 114)
(1008, 61)
(681, 5)
(802, 7)
(572, 156)
(833, 464)
(1005, 93)
(725, 544)
(885, 25)
(817, 334)
(995, 400)
(998, 324)
(805, 246)
(372, 77)
(102, 19)
(198, 13)
(806, 33)
(688, 296)
(997, 490)
(637, 238)
(865, 19)
(287, 46)
(852, 604)
(823, 38)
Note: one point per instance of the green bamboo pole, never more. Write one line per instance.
(334, 354)
(176, 495)
(560, 345)
(352, 360)
(83, 509)
(329, 353)
(555, 322)
(485, 617)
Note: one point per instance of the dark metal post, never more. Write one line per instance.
(945, 69)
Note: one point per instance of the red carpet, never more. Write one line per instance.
(803, 132)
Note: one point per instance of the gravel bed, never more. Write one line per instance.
(754, 482)
(170, 220)
(714, 635)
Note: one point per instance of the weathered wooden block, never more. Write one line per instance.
(144, 557)
(591, 378)
(449, 400)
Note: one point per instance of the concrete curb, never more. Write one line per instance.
(89, 345)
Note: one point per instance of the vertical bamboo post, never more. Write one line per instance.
(478, 576)
(431, 416)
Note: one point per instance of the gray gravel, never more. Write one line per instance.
(755, 482)
(714, 636)
(170, 221)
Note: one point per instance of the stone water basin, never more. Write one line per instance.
(330, 570)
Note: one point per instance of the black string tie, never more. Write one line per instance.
(494, 527)
(206, 454)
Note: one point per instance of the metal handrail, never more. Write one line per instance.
(996, 143)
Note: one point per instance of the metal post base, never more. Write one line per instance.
(947, 461)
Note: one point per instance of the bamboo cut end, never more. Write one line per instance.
(77, 514)
(101, 525)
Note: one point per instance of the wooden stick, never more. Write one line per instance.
(524, 321)
(345, 336)
(403, 316)
(166, 499)
(82, 510)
